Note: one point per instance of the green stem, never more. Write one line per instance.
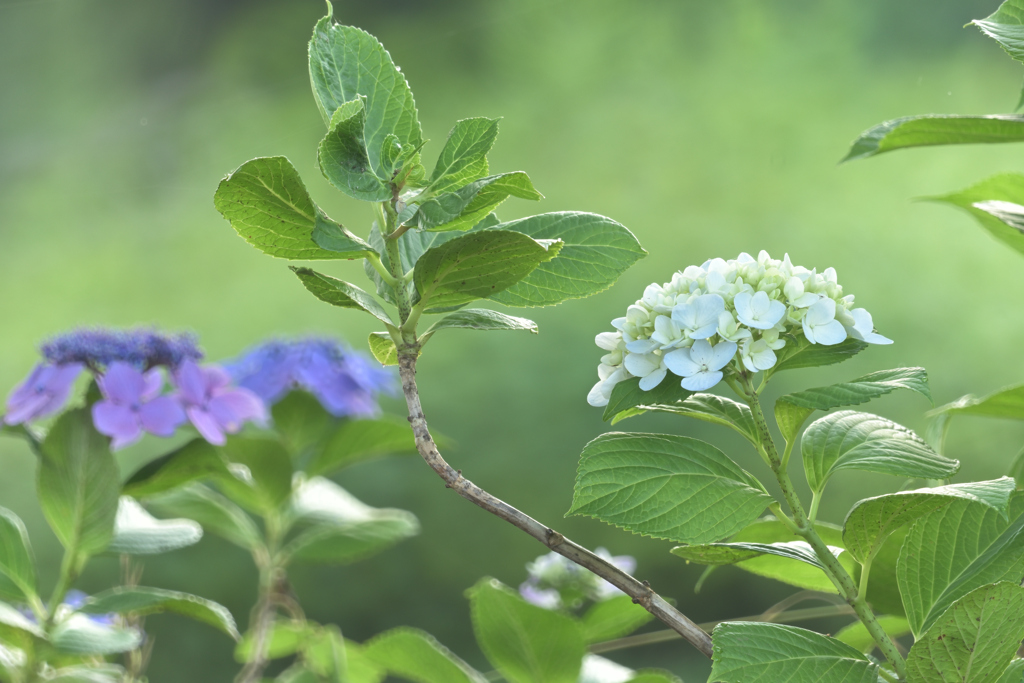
(788, 451)
(815, 501)
(865, 572)
(805, 529)
(68, 572)
(381, 270)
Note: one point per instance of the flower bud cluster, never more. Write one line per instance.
(726, 315)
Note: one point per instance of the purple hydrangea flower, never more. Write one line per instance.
(43, 393)
(132, 405)
(344, 382)
(213, 406)
(555, 581)
(142, 348)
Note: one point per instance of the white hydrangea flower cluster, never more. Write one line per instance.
(723, 312)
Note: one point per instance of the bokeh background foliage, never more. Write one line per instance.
(706, 128)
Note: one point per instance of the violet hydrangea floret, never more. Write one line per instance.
(132, 405)
(213, 406)
(555, 582)
(345, 382)
(725, 315)
(44, 392)
(143, 348)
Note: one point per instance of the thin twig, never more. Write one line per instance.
(640, 591)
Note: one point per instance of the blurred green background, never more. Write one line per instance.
(706, 128)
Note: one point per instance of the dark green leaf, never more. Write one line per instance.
(792, 409)
(480, 319)
(79, 484)
(746, 652)
(343, 156)
(627, 395)
(346, 62)
(714, 409)
(198, 459)
(213, 511)
(955, 549)
(383, 348)
(417, 656)
(800, 353)
(1006, 27)
(136, 532)
(597, 251)
(463, 208)
(613, 618)
(262, 472)
(526, 643)
(339, 293)
(477, 265)
(16, 561)
(464, 156)
(849, 440)
(665, 486)
(144, 601)
(974, 640)
(80, 635)
(871, 520)
(358, 440)
(994, 203)
(936, 129)
(267, 204)
(856, 634)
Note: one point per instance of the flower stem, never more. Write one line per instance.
(272, 575)
(805, 529)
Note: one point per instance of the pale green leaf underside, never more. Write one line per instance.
(464, 207)
(936, 129)
(1006, 27)
(481, 319)
(267, 204)
(213, 511)
(16, 561)
(417, 656)
(746, 652)
(143, 601)
(731, 553)
(627, 396)
(792, 409)
(974, 640)
(597, 251)
(339, 293)
(849, 440)
(383, 348)
(799, 353)
(136, 532)
(1006, 403)
(1014, 672)
(953, 550)
(80, 635)
(665, 486)
(526, 643)
(714, 409)
(988, 202)
(871, 520)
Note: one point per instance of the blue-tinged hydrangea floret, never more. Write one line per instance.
(142, 348)
(555, 581)
(346, 383)
(726, 316)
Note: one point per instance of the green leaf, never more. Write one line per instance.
(1006, 403)
(267, 204)
(213, 511)
(856, 634)
(1006, 27)
(383, 348)
(780, 568)
(415, 243)
(463, 208)
(104, 673)
(16, 562)
(974, 640)
(746, 652)
(731, 553)
(417, 656)
(136, 532)
(597, 251)
(613, 618)
(871, 520)
(480, 319)
(345, 62)
(953, 550)
(79, 484)
(792, 409)
(936, 129)
(286, 638)
(198, 459)
(80, 635)
(358, 440)
(301, 421)
(526, 643)
(476, 265)
(145, 601)
(339, 293)
(9, 616)
(464, 156)
(799, 353)
(344, 159)
(1017, 469)
(665, 486)
(849, 440)
(334, 237)
(714, 409)
(13, 659)
(263, 473)
(345, 529)
(883, 589)
(1014, 673)
(627, 396)
(993, 202)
